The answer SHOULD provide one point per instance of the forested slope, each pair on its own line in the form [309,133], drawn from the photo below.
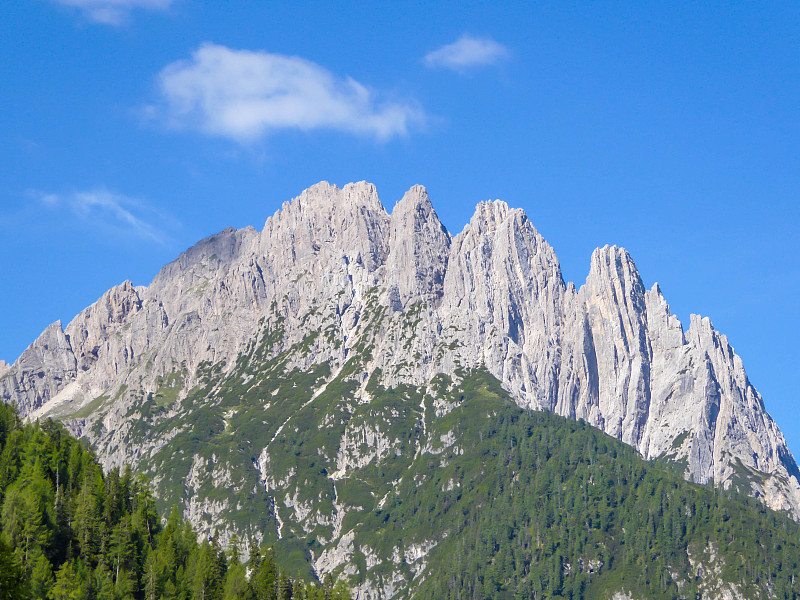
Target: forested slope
[533,505]
[71,532]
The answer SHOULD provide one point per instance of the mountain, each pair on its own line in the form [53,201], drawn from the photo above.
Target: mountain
[288,383]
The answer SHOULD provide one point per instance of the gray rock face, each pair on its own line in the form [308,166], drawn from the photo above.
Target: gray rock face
[503,295]
[609,352]
[40,372]
[418,250]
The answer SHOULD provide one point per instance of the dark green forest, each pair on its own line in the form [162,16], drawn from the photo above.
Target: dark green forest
[69,532]
[549,507]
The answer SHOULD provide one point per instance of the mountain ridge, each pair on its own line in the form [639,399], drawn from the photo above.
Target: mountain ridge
[282,385]
[343,319]
[493,269]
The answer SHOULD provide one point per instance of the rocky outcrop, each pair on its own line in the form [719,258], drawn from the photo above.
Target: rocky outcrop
[338,277]
[503,294]
[418,251]
[46,367]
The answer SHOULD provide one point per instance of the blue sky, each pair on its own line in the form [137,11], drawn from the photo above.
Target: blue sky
[133,128]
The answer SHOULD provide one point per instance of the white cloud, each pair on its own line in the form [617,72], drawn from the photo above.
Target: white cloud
[466,52]
[245,95]
[106,209]
[114,12]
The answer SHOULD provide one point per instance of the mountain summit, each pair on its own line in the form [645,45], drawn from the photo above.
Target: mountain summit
[335,298]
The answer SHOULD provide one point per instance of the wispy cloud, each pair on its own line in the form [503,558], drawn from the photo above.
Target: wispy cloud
[245,95]
[103,208]
[467,52]
[113,12]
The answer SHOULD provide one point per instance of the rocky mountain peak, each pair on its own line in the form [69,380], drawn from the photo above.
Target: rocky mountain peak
[418,250]
[209,255]
[703,335]
[364,195]
[702,332]
[613,268]
[335,299]
[42,370]
[489,215]
[327,199]
[415,200]
[615,297]
[91,329]
[666,330]
[350,221]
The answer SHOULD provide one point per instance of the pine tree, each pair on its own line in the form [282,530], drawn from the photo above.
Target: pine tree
[151,578]
[41,578]
[68,583]
[12,579]
[86,521]
[104,583]
[236,585]
[265,576]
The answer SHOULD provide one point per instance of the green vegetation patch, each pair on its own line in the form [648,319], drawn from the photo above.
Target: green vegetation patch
[69,531]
